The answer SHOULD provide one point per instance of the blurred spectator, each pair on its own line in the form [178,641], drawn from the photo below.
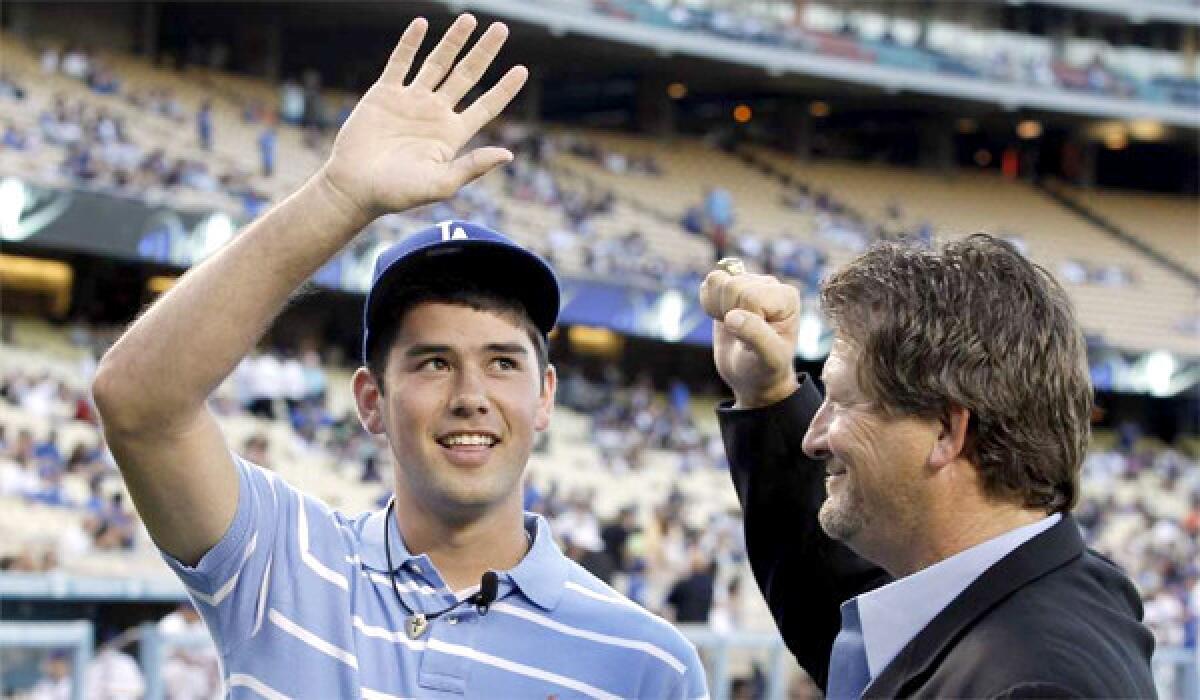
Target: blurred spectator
[260,378]
[718,211]
[31,558]
[204,125]
[76,63]
[590,554]
[102,80]
[9,88]
[189,672]
[55,681]
[114,675]
[267,139]
[112,527]
[615,536]
[14,138]
[691,597]
[291,103]
[49,60]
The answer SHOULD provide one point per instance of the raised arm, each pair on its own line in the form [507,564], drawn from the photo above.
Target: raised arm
[804,575]
[399,149]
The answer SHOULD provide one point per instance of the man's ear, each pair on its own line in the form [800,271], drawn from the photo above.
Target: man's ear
[368,399]
[952,437]
[546,402]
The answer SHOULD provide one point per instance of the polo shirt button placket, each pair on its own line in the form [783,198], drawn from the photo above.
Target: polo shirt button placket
[444,671]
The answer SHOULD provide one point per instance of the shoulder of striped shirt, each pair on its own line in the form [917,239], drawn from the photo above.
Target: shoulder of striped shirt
[585,584]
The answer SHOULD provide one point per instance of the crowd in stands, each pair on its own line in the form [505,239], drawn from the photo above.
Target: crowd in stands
[1144,514]
[98,149]
[628,419]
[949,48]
[1102,274]
[41,471]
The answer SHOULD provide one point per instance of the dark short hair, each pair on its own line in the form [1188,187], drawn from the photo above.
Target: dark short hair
[445,290]
[973,323]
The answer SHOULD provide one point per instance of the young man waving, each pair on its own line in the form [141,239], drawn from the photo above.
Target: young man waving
[451,590]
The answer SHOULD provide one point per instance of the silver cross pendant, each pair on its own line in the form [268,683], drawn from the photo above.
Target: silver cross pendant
[416,625]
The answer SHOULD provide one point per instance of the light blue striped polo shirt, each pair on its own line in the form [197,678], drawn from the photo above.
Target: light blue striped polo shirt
[298,599]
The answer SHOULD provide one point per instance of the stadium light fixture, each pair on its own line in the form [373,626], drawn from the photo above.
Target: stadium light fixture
[808,336]
[1116,140]
[50,278]
[742,114]
[1147,130]
[819,109]
[214,232]
[595,341]
[677,91]
[1159,369]
[671,307]
[1029,129]
[160,283]
[13,198]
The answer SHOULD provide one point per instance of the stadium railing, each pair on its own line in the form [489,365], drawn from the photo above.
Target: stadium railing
[716,648]
[155,648]
[1177,672]
[75,635]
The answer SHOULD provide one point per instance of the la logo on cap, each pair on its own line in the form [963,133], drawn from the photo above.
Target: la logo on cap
[448,235]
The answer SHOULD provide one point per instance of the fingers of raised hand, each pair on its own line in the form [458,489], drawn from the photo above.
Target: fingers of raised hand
[762,295]
[442,58]
[471,166]
[492,103]
[472,67]
[402,56]
[710,293]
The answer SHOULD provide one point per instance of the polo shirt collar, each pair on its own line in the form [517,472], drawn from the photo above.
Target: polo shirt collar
[372,552]
[541,575]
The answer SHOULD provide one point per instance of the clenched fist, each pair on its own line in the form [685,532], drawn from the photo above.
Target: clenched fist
[755,323]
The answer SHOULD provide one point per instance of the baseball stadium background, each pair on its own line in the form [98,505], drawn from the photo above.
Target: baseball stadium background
[654,137]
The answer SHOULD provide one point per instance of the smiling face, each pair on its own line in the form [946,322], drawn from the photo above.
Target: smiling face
[464,400]
[876,479]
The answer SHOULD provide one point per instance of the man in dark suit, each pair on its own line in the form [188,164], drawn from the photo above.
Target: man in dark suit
[911,531]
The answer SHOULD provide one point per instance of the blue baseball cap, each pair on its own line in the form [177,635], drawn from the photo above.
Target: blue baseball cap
[490,260]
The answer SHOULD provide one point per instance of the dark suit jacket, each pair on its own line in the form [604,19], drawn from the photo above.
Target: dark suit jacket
[1051,619]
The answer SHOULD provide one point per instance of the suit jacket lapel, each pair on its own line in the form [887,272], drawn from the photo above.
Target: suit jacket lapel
[1050,550]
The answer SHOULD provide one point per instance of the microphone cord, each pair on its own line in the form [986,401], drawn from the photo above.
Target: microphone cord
[418,621]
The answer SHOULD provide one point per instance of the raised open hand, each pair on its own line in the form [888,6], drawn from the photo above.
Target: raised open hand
[400,147]
[756,320]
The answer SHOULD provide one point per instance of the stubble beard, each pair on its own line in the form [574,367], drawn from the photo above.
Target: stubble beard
[842,515]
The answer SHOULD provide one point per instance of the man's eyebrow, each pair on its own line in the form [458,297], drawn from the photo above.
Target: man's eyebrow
[507,348]
[422,349]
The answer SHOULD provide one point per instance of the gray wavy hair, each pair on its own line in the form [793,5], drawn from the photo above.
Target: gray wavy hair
[975,324]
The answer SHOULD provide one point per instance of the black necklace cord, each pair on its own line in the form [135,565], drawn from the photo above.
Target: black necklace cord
[489,587]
